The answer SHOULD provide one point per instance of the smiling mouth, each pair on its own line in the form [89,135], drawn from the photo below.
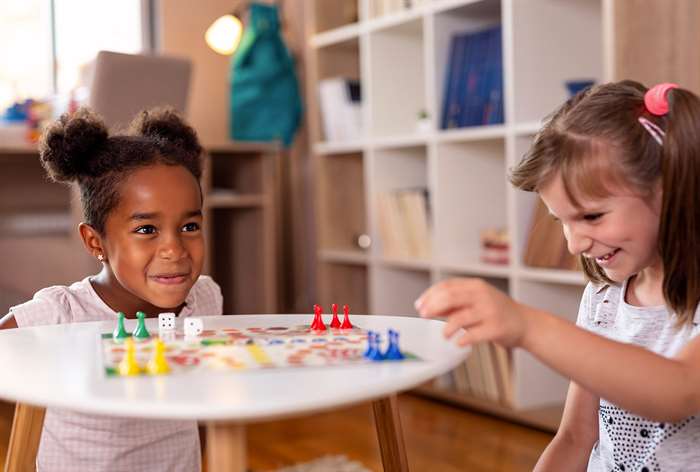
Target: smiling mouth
[606,257]
[170,279]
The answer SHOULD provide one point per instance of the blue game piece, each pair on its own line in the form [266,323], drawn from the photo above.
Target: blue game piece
[373,353]
[393,353]
[370,343]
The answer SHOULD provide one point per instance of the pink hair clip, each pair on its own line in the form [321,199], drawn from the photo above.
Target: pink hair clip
[655,132]
[655,98]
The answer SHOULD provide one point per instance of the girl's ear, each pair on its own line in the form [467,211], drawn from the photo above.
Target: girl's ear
[92,241]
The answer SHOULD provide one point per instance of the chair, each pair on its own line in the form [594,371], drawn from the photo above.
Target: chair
[124,84]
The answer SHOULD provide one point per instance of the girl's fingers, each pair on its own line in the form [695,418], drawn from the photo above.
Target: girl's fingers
[472,336]
[444,297]
[462,319]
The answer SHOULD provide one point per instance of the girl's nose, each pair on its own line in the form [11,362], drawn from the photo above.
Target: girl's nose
[577,242]
[172,248]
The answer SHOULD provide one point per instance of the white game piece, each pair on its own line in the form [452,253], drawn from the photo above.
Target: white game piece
[193,326]
[166,321]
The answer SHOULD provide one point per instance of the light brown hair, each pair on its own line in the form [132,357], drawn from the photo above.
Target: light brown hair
[595,141]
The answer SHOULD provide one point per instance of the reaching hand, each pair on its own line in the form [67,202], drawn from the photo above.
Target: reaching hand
[486,313]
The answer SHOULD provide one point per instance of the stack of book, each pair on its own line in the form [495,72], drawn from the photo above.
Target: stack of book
[341,111]
[495,246]
[546,245]
[404,223]
[473,92]
[486,374]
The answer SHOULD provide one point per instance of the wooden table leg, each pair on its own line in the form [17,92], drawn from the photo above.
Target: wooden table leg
[24,438]
[388,423]
[226,447]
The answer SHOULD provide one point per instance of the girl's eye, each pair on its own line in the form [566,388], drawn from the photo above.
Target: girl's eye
[191,227]
[146,229]
[592,216]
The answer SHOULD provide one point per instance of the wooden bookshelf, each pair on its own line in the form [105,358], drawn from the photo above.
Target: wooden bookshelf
[400,59]
[241,198]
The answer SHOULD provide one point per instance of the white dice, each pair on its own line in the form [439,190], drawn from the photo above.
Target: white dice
[193,327]
[166,322]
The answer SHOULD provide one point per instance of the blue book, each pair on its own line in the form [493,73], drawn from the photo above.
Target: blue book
[449,79]
[455,103]
[490,87]
[465,81]
[471,115]
[496,91]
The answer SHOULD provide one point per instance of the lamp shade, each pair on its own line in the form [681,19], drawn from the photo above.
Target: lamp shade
[224,34]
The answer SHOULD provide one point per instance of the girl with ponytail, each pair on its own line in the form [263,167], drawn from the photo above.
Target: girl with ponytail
[619,167]
[142,206]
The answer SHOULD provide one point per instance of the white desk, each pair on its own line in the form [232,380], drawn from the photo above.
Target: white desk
[60,366]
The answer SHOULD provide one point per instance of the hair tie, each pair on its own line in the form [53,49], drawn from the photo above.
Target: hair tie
[655,99]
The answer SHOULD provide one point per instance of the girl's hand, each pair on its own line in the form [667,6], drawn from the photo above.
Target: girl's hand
[486,313]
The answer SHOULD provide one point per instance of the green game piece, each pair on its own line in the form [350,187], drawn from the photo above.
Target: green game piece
[141,332]
[120,333]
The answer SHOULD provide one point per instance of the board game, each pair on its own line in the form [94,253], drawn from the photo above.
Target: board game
[233,349]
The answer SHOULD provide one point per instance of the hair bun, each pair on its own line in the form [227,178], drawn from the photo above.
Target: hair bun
[67,145]
[166,124]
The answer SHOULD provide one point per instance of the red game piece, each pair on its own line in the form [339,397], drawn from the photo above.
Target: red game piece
[335,322]
[317,324]
[346,319]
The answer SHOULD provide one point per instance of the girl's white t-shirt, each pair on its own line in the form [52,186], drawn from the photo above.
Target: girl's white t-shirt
[628,442]
[76,442]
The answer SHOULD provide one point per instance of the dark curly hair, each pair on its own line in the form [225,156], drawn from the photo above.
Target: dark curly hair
[78,148]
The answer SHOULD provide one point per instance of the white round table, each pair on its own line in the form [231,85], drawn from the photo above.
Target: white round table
[61,366]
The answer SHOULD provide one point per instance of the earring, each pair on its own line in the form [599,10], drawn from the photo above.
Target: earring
[100,257]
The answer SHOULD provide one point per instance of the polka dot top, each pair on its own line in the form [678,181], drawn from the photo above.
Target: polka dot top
[628,442]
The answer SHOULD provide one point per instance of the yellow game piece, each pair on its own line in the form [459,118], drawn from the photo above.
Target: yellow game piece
[128,365]
[158,365]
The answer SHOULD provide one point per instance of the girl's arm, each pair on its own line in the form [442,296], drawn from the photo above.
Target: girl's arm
[609,369]
[616,371]
[577,433]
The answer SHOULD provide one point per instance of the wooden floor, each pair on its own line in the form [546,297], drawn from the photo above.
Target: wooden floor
[438,437]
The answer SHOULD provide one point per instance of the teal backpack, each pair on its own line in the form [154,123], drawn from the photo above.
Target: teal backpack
[265,101]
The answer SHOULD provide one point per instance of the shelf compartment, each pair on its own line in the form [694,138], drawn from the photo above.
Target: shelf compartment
[341,201]
[332,16]
[239,173]
[395,290]
[339,60]
[455,18]
[343,284]
[400,182]
[239,266]
[548,42]
[470,196]
[536,384]
[28,190]
[397,77]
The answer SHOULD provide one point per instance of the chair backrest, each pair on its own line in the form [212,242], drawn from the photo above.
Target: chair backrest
[124,84]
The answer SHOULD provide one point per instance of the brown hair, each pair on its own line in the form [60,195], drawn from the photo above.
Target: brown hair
[595,141]
[78,147]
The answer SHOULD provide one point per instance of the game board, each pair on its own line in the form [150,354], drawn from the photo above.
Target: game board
[234,349]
